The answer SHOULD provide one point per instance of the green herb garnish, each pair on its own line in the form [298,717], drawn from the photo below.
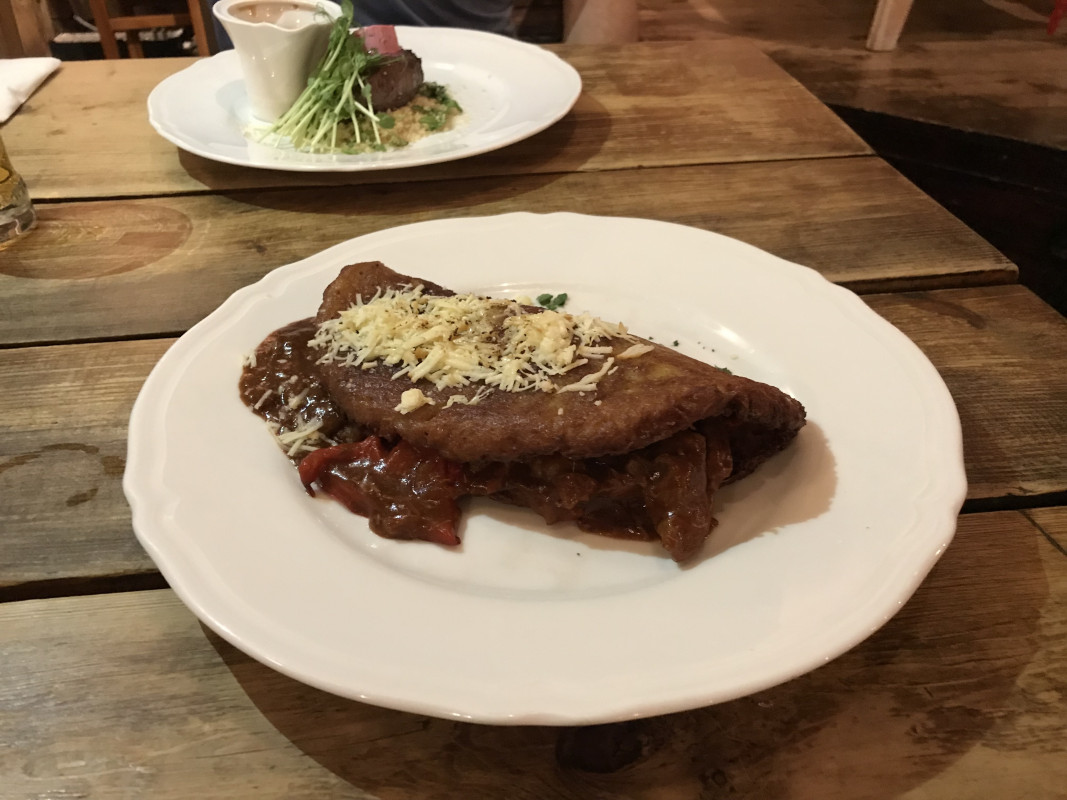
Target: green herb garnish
[435,118]
[435,91]
[327,116]
[552,302]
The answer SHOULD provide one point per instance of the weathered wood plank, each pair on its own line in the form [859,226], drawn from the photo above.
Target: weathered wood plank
[1005,88]
[970,66]
[959,696]
[63,423]
[81,275]
[1001,352]
[86,132]
[63,515]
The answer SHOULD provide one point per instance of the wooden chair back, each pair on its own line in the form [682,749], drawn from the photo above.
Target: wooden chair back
[109,26]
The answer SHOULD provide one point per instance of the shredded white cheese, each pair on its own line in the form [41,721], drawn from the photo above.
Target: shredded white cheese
[462,399]
[466,339]
[412,399]
[589,382]
[296,440]
[635,350]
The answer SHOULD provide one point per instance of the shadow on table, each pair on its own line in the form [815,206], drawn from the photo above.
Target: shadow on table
[887,716]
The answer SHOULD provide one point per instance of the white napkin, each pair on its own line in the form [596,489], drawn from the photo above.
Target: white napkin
[19,78]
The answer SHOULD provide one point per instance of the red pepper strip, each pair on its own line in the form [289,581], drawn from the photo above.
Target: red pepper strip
[441,533]
[407,459]
[1057,15]
[404,468]
[317,462]
[347,494]
[427,468]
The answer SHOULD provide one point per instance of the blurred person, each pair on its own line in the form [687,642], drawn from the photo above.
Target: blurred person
[584,21]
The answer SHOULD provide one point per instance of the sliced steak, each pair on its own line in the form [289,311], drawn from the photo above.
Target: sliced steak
[396,81]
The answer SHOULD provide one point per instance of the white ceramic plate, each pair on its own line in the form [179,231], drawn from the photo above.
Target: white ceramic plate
[526,623]
[509,90]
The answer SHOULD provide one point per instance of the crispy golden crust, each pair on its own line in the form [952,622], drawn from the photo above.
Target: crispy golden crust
[646,400]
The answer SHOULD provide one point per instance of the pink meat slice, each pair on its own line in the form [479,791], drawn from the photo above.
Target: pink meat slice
[381,38]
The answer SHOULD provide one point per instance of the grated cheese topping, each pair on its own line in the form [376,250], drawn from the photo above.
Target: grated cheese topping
[462,399]
[296,440]
[462,340]
[635,350]
[412,399]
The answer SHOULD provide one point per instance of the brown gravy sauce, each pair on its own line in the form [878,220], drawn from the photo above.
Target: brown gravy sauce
[284,389]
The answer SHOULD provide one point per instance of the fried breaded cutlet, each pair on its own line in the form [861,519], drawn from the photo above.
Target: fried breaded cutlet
[565,414]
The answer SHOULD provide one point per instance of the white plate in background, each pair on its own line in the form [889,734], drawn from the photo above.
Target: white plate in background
[508,90]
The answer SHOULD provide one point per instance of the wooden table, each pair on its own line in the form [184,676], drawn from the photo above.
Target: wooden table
[111,688]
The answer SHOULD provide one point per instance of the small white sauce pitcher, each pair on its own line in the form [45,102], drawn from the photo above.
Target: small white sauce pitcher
[277,57]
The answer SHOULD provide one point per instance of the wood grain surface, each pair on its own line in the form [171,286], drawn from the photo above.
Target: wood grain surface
[1001,352]
[63,426]
[961,84]
[987,67]
[63,514]
[111,692]
[86,133]
[172,260]
[958,697]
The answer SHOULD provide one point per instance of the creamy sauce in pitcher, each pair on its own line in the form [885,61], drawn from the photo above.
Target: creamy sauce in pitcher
[283,15]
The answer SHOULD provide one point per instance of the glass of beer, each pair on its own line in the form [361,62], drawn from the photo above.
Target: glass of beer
[16,211]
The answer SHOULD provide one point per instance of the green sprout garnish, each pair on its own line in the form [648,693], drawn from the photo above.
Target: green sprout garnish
[328,108]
